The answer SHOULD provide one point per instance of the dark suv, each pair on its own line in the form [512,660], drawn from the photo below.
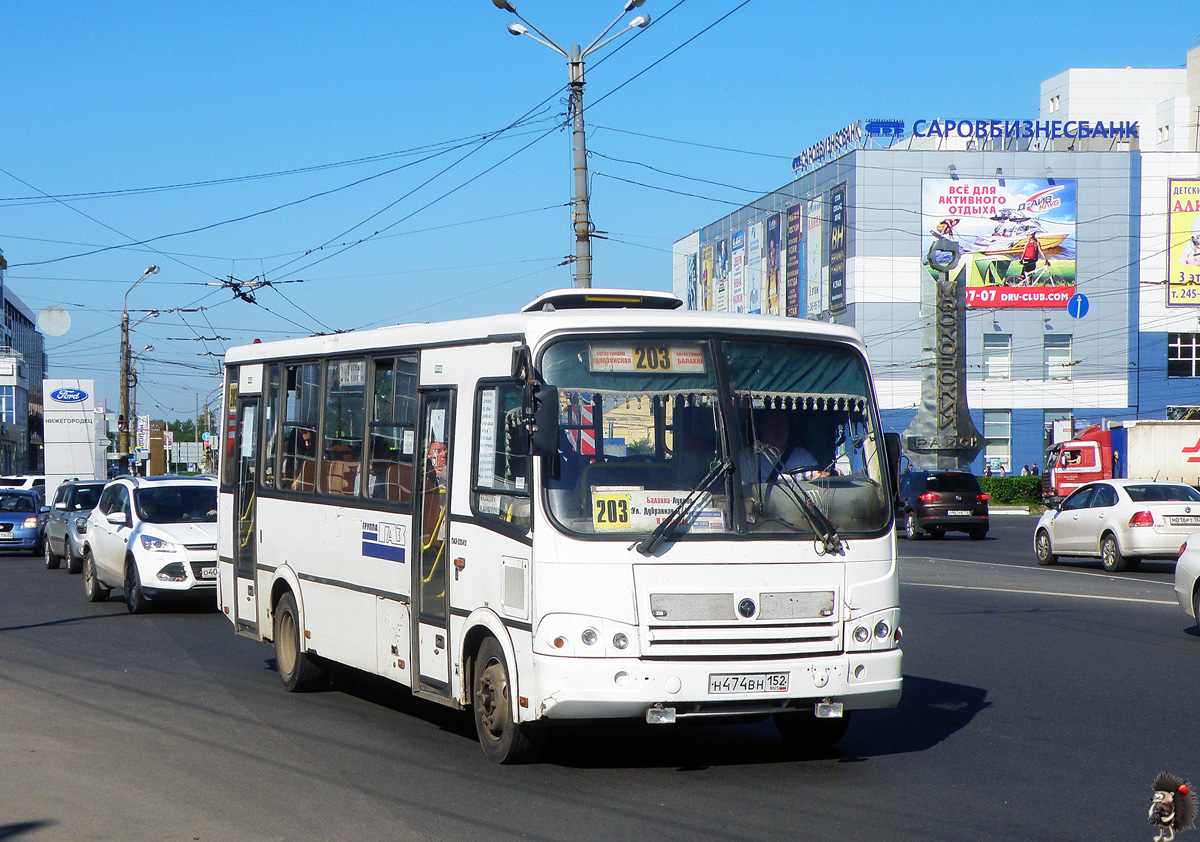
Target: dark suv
[937,501]
[67,525]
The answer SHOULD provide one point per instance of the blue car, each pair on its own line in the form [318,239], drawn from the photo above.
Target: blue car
[22,521]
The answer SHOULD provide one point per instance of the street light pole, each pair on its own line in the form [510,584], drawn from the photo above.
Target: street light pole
[123,439]
[580,205]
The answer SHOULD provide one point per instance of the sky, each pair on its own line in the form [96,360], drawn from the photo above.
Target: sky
[380,163]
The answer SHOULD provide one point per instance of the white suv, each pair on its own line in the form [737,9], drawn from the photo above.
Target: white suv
[152,537]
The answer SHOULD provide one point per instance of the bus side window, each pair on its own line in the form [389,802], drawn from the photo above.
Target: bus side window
[500,475]
[345,411]
[302,401]
[392,430]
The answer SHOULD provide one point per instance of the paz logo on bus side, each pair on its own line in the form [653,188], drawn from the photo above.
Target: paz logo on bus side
[69,395]
[384,540]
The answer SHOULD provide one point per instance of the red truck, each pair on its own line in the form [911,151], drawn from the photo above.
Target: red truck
[1165,450]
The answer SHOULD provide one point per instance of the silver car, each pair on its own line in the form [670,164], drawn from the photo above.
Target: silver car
[1119,521]
[1187,572]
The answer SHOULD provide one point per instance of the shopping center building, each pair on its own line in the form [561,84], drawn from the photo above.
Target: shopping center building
[1069,239]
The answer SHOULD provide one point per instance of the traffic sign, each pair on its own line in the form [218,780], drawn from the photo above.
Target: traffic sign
[1077,306]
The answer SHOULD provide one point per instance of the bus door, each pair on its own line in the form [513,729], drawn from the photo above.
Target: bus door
[431,603]
[245,509]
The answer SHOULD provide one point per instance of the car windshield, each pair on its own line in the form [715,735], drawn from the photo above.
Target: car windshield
[177,504]
[16,503]
[952,482]
[86,497]
[1162,493]
[641,426]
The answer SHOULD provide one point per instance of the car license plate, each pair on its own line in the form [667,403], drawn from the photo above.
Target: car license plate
[208,572]
[6,536]
[759,682]
[959,513]
[1185,520]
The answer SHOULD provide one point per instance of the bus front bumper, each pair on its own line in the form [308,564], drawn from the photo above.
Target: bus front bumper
[607,688]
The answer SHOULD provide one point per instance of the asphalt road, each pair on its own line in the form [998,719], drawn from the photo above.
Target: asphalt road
[1038,704]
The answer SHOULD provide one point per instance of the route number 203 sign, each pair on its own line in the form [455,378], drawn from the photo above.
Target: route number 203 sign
[647,358]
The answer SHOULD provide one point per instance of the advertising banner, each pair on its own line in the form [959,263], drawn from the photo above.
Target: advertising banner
[72,432]
[774,269]
[837,248]
[1183,243]
[737,274]
[793,295]
[693,281]
[1015,241]
[721,276]
[813,231]
[706,279]
[756,279]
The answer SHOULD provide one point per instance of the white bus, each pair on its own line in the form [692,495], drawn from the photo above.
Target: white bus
[601,506]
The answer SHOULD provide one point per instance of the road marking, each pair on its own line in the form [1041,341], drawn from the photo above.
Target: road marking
[1042,593]
[1041,569]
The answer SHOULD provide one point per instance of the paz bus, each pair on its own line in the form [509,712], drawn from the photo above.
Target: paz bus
[574,511]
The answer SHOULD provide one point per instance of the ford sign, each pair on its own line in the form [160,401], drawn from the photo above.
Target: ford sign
[69,395]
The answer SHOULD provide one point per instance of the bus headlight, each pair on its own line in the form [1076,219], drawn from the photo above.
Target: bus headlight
[579,636]
[882,629]
[861,634]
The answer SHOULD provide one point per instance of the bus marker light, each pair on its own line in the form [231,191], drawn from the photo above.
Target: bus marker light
[523,701]
[560,642]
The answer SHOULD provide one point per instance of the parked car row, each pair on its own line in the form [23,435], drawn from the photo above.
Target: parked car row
[152,538]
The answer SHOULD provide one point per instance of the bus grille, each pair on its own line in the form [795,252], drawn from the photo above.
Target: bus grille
[743,641]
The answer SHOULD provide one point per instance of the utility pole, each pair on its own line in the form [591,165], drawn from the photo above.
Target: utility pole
[126,385]
[580,210]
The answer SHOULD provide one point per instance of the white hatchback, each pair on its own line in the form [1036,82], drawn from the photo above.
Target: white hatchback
[1119,521]
[1187,578]
[152,537]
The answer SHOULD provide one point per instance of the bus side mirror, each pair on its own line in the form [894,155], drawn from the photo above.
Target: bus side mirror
[891,447]
[542,411]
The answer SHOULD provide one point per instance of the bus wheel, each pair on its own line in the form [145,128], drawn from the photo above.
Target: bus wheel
[298,671]
[808,733]
[503,739]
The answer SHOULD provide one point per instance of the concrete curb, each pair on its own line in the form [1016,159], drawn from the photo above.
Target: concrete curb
[1008,510]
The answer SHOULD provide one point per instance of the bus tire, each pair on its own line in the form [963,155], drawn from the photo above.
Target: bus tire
[807,733]
[92,587]
[502,738]
[298,670]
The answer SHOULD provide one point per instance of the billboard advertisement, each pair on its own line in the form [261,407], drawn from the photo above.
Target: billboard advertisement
[1015,239]
[814,293]
[737,274]
[837,248]
[706,279]
[693,282]
[721,275]
[755,279]
[1183,243]
[793,294]
[774,267]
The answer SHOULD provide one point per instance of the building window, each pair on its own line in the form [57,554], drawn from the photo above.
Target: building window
[8,404]
[997,356]
[1055,103]
[1057,357]
[997,434]
[1183,355]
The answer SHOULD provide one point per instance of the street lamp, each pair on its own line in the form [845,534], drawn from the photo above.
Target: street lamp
[123,440]
[580,215]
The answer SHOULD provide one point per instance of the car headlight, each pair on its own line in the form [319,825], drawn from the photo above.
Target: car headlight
[31,523]
[158,545]
[81,525]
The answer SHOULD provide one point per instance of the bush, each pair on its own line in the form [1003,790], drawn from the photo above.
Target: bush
[1012,491]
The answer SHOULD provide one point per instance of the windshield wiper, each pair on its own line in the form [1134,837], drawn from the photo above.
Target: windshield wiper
[680,513]
[823,526]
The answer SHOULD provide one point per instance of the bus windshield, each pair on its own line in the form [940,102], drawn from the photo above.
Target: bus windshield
[753,434]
